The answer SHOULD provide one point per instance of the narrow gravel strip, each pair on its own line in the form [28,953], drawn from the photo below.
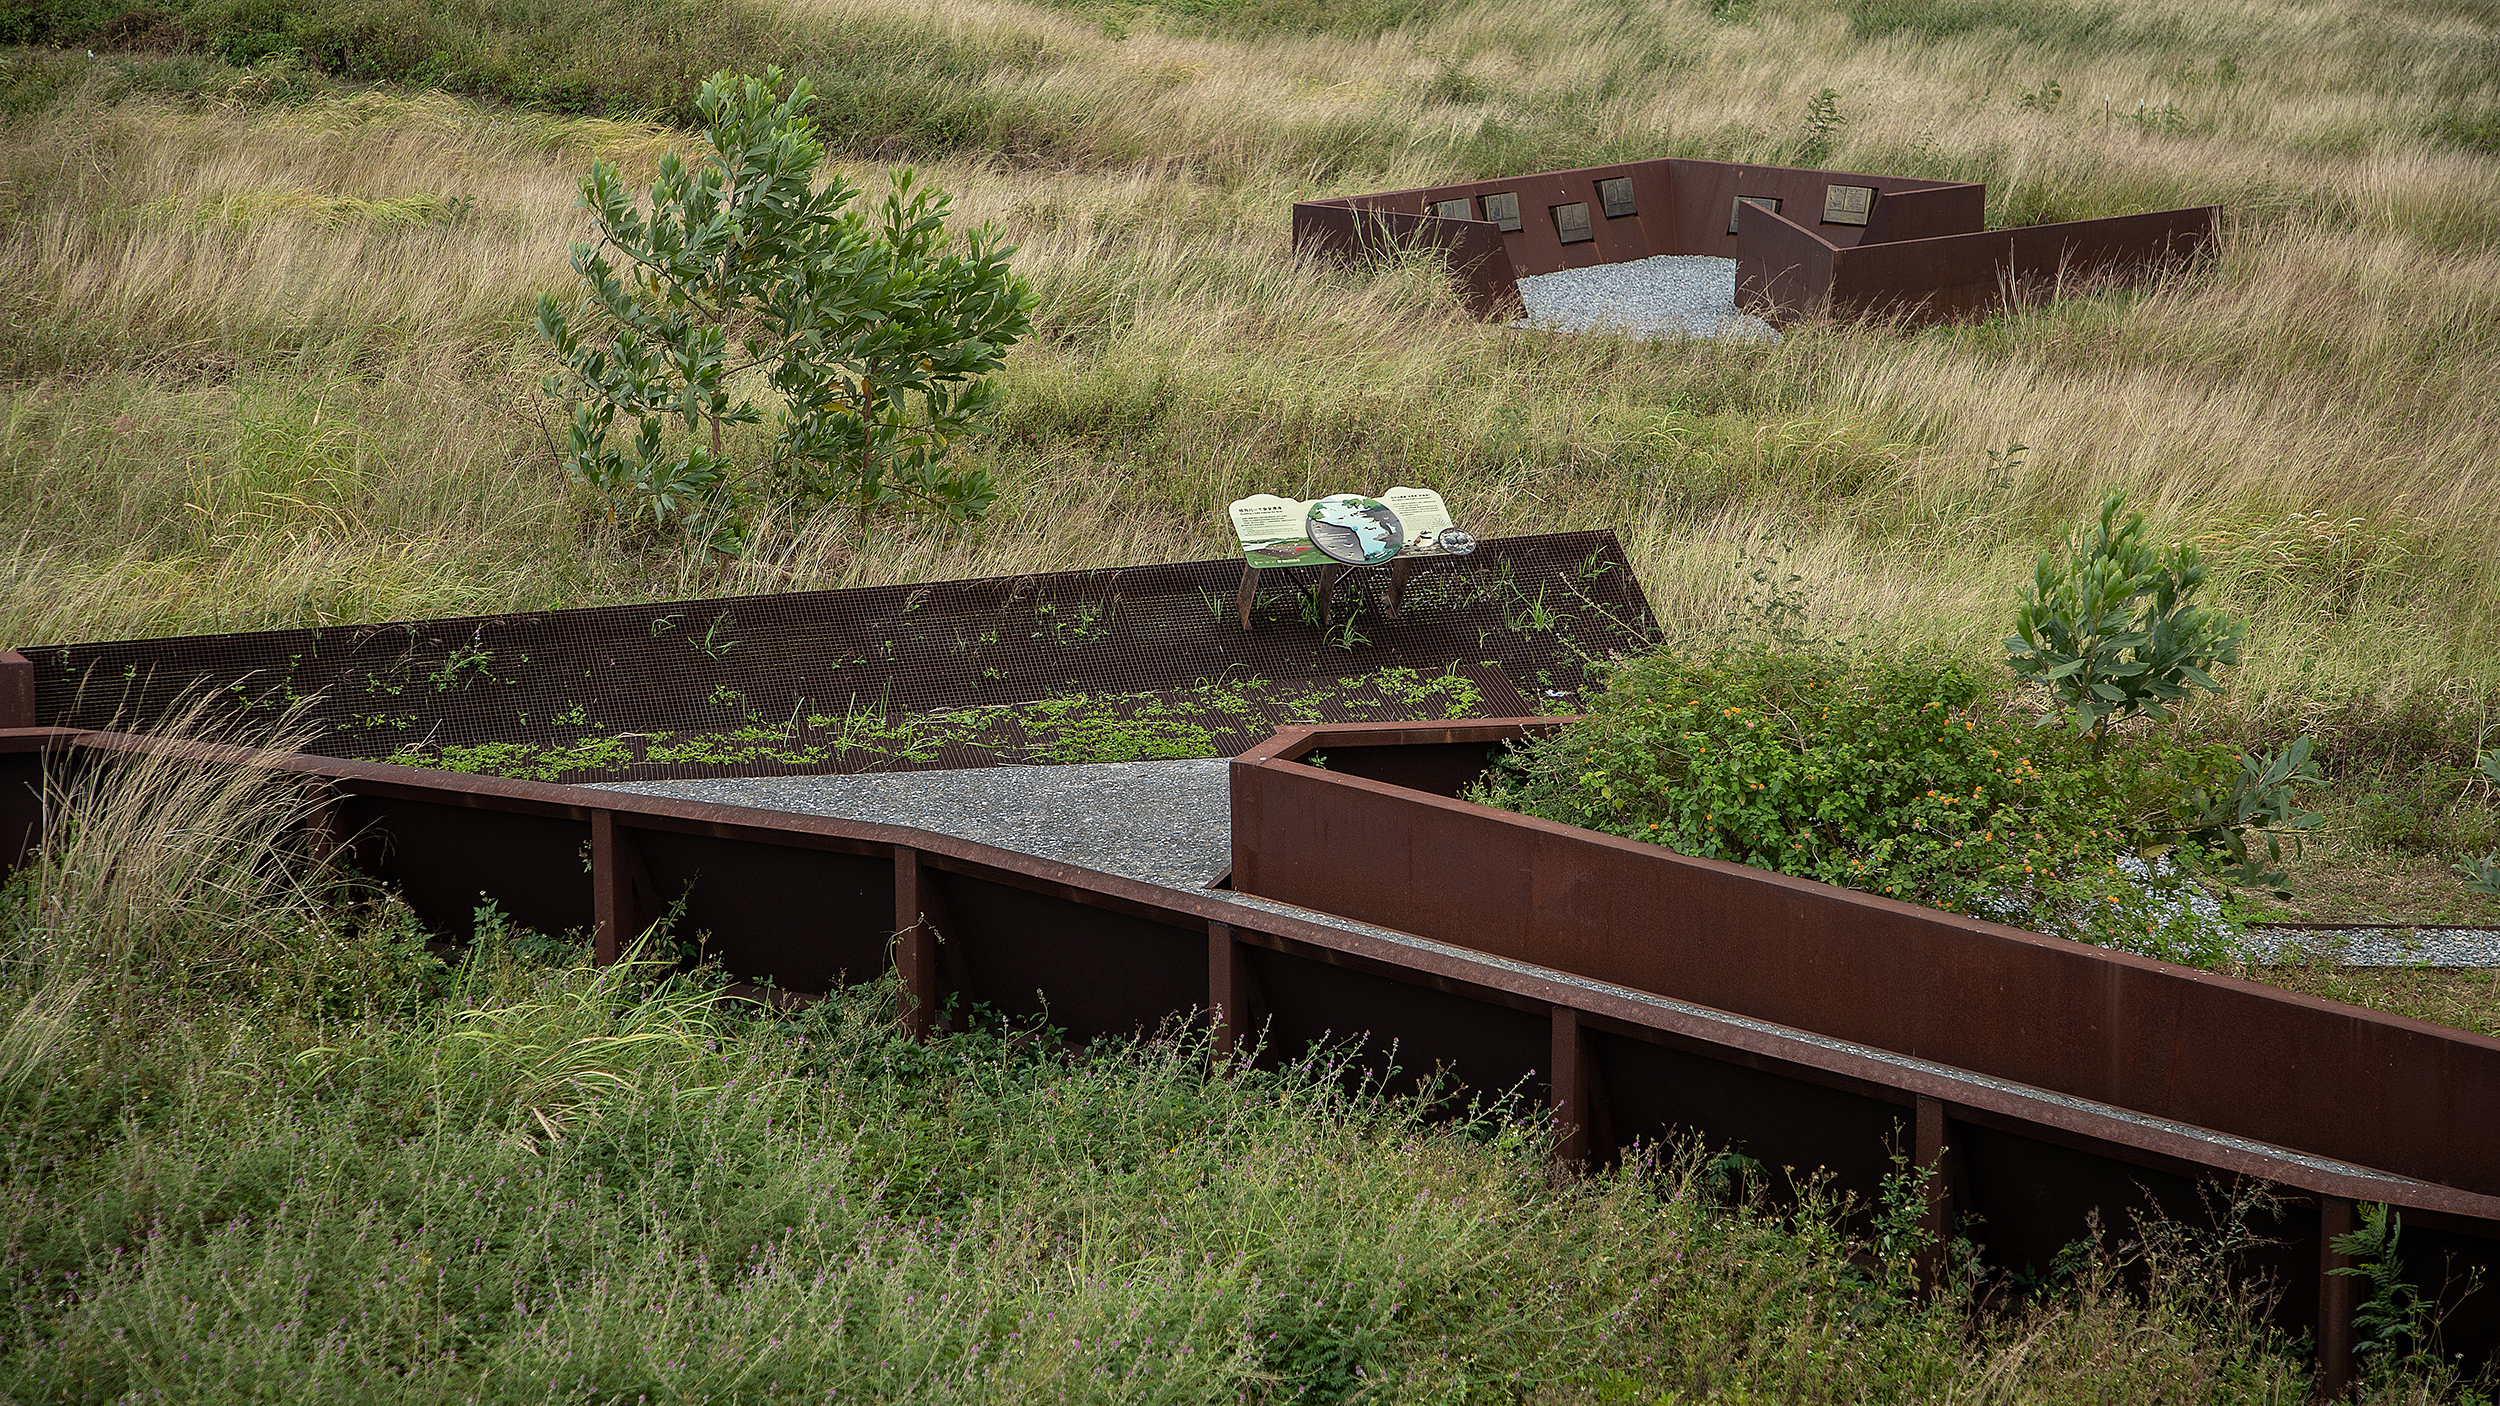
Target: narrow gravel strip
[1168,823]
[1669,295]
[2380,947]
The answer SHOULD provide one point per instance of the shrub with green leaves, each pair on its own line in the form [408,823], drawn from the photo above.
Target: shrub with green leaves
[875,336]
[1900,778]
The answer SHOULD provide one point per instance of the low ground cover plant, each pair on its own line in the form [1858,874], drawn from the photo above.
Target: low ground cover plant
[1916,780]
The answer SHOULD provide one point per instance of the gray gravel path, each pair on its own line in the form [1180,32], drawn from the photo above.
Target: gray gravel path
[1166,823]
[1669,295]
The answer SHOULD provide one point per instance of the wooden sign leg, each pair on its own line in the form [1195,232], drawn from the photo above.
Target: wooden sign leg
[1246,593]
[1399,570]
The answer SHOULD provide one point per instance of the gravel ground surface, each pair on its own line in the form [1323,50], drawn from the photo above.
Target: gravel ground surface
[1167,823]
[1671,295]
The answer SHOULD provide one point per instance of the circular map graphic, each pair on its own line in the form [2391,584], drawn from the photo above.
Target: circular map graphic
[1354,530]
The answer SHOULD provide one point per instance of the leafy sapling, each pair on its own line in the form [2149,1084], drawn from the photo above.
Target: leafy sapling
[2111,628]
[875,332]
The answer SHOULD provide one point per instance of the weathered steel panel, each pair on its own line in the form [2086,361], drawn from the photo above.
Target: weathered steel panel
[2205,1049]
[1783,272]
[1019,952]
[447,859]
[809,919]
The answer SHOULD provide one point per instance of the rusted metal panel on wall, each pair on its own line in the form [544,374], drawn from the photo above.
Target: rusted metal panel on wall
[1018,951]
[1910,212]
[1536,247]
[1413,1034]
[445,859]
[809,919]
[2122,245]
[2214,1051]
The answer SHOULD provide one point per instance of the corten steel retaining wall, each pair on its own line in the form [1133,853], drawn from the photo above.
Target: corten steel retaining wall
[1791,263]
[1472,248]
[811,902]
[2417,1099]
[1969,274]
[1379,838]
[759,664]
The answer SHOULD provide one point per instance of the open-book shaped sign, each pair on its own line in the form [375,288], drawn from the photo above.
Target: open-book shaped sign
[1346,528]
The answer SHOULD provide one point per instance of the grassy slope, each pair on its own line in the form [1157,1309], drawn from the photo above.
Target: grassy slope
[264,365]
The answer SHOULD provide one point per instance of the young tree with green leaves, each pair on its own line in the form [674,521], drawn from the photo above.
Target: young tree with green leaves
[2112,631]
[2111,628]
[875,335]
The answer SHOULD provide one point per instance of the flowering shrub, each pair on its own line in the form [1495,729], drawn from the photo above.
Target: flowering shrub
[1899,778]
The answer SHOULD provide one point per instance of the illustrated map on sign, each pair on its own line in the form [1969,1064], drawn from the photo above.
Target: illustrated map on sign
[1346,528]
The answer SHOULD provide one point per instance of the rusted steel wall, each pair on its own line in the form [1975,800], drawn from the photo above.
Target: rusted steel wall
[1963,275]
[1681,206]
[1706,193]
[1783,272]
[1537,246]
[835,681]
[2381,1090]
[1921,254]
[808,902]
[1472,248]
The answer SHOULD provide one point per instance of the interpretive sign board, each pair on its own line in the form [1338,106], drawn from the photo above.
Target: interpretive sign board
[1346,528]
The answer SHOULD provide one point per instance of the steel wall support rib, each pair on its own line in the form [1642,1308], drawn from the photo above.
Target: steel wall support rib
[915,944]
[1228,990]
[1939,1163]
[2338,1336]
[621,894]
[1570,1085]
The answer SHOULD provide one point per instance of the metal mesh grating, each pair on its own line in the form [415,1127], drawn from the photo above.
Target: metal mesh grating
[1068,666]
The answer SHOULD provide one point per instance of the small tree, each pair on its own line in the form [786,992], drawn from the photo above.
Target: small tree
[2110,630]
[875,335]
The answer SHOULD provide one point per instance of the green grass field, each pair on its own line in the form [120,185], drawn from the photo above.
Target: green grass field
[265,361]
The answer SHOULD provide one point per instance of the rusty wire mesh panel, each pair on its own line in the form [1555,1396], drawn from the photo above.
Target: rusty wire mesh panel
[1108,665]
